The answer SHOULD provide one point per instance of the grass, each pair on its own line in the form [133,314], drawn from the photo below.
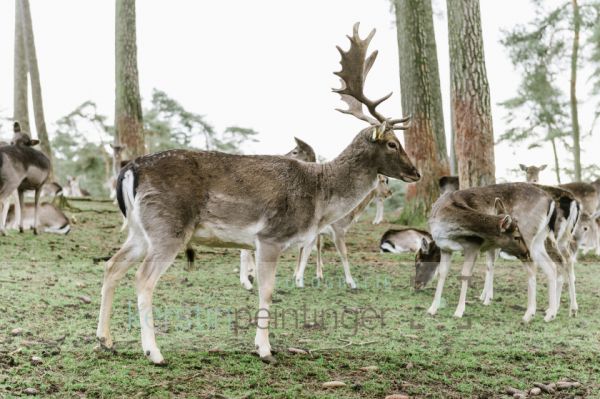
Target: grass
[205,333]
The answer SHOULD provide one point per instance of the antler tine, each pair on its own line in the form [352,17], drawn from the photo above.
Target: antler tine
[395,122]
[355,67]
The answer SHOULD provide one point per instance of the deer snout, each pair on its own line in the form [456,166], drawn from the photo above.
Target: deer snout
[412,176]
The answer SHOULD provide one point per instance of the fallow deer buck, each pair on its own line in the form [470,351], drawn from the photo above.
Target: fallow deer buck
[272,203]
[485,218]
[21,168]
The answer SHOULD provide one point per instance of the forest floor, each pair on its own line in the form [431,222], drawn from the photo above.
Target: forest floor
[381,344]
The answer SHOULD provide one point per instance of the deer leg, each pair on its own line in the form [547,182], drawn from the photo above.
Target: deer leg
[36,208]
[339,239]
[21,206]
[319,257]
[132,251]
[572,295]
[303,256]
[549,268]
[379,214]
[467,272]
[444,267]
[5,205]
[267,255]
[160,256]
[246,264]
[531,269]
[488,287]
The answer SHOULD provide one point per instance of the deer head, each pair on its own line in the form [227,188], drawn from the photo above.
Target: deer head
[427,260]
[532,173]
[22,138]
[380,144]
[302,152]
[509,238]
[383,190]
[586,232]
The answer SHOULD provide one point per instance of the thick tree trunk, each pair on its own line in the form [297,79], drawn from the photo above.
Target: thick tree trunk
[573,94]
[470,96]
[34,76]
[421,98]
[128,106]
[20,111]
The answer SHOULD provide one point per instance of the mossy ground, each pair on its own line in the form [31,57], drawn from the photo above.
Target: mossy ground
[204,332]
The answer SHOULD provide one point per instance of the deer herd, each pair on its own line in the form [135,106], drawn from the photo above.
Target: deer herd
[264,205]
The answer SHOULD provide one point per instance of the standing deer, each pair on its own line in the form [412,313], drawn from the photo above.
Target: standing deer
[379,199]
[21,168]
[173,197]
[337,231]
[485,218]
[532,173]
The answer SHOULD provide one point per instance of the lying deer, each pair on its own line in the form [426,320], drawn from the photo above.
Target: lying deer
[173,197]
[404,240]
[379,199]
[50,218]
[22,168]
[485,218]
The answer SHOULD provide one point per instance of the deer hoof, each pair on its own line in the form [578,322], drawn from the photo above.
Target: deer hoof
[550,315]
[35,231]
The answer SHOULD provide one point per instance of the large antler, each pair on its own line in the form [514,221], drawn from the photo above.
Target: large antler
[355,68]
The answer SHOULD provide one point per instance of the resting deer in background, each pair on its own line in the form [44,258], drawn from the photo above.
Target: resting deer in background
[173,197]
[532,173]
[448,184]
[404,240]
[379,199]
[22,168]
[50,218]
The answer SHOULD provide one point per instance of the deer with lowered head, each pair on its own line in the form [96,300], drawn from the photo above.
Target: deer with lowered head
[173,197]
[485,218]
[22,168]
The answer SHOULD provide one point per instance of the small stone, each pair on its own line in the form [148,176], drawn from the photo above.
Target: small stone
[397,396]
[409,365]
[519,396]
[80,285]
[84,299]
[535,391]
[16,332]
[297,351]
[334,384]
[30,391]
[36,360]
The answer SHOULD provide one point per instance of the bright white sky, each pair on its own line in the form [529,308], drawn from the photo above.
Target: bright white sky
[264,64]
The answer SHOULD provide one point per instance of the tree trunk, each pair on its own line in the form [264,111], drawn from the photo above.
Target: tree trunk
[421,98]
[573,96]
[20,110]
[556,164]
[128,106]
[34,75]
[470,96]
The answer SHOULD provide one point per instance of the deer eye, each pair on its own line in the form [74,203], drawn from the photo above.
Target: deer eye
[392,145]
[295,152]
[585,229]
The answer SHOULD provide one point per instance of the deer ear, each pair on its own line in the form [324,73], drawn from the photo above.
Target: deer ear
[499,206]
[16,127]
[595,215]
[505,223]
[523,167]
[424,246]
[543,167]
[34,142]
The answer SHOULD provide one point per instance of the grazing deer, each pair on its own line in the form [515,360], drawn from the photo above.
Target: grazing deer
[50,218]
[337,231]
[22,168]
[532,173]
[379,199]
[485,218]
[271,203]
[404,240]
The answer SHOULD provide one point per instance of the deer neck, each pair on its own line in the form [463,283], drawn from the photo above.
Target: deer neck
[345,183]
